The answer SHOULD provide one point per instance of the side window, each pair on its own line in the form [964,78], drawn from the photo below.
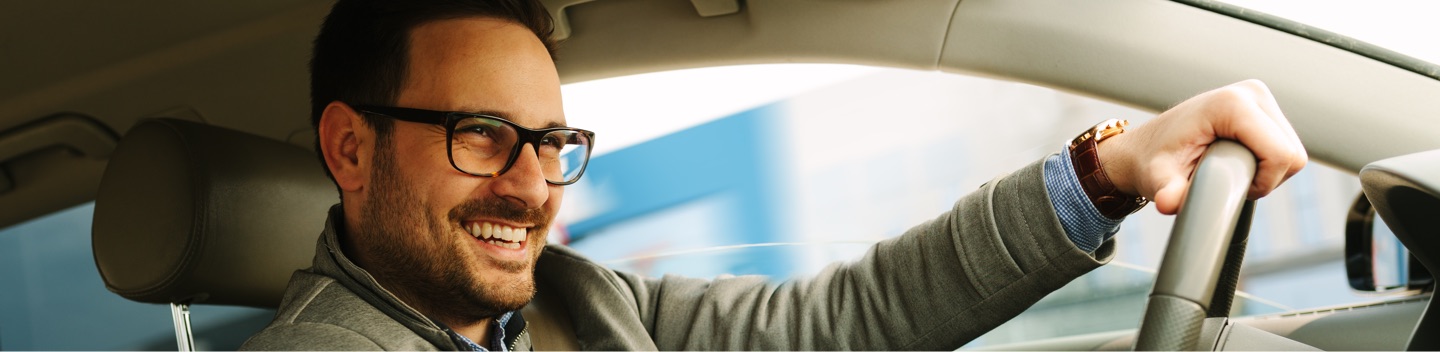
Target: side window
[785,184]
[52,298]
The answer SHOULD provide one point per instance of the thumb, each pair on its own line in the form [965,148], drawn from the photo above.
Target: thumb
[1170,195]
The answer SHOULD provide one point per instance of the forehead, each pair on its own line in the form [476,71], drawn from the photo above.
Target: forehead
[482,64]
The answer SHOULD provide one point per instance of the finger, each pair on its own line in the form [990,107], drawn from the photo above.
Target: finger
[1273,150]
[1170,196]
[1266,101]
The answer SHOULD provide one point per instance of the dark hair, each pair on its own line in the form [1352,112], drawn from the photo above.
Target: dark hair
[361,53]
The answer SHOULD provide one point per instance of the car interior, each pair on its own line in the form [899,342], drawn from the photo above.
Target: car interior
[197,149]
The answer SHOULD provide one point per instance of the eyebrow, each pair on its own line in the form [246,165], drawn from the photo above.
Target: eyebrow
[508,117]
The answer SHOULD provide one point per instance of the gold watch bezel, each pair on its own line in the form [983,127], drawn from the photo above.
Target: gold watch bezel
[1103,130]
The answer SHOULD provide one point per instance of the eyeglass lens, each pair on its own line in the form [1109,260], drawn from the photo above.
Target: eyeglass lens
[482,146]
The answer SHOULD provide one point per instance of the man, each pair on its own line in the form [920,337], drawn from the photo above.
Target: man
[441,124]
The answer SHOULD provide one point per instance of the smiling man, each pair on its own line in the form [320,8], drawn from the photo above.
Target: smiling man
[441,124]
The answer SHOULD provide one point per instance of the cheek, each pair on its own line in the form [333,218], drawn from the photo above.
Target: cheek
[436,194]
[441,187]
[551,208]
[557,195]
[445,194]
[552,204]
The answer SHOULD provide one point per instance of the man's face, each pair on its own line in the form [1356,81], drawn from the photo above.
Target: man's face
[422,216]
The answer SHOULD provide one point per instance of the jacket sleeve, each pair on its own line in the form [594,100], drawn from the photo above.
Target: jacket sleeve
[938,286]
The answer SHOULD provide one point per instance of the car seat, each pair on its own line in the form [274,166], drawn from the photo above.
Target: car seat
[189,213]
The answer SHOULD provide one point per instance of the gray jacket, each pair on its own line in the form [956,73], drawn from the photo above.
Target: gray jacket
[938,286]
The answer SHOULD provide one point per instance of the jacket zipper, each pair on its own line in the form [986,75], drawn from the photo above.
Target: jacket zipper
[524,330]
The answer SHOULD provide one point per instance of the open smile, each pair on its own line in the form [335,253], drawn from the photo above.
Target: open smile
[499,235]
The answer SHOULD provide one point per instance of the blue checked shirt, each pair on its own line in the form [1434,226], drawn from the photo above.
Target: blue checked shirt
[497,336]
[1082,222]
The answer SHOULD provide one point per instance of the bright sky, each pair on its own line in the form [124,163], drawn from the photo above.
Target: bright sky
[671,101]
[1410,27]
[667,102]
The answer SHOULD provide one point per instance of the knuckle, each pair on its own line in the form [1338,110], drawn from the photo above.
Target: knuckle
[1293,153]
[1300,159]
[1254,85]
[1247,91]
[1232,95]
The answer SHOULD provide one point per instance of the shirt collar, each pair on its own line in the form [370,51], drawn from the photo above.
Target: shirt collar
[500,341]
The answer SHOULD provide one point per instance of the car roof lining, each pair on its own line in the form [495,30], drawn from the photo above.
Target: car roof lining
[1147,54]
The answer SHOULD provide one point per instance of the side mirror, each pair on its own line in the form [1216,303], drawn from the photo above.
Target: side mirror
[1375,260]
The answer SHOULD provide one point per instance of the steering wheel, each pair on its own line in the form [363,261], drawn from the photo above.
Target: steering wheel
[1204,252]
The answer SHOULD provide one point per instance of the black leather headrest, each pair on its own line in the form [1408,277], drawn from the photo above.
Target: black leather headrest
[193,213]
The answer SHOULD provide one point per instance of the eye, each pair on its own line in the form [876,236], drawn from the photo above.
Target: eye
[477,132]
[550,145]
[552,141]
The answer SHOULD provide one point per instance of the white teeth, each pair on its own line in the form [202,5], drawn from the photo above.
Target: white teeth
[517,234]
[503,244]
[499,235]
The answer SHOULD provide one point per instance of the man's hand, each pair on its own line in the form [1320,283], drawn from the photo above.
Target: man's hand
[1156,160]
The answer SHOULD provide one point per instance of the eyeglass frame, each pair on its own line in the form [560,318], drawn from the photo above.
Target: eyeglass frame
[449,119]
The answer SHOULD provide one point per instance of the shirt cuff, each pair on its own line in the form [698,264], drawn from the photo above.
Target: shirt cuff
[1082,222]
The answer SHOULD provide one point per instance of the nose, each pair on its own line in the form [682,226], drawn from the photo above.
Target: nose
[524,184]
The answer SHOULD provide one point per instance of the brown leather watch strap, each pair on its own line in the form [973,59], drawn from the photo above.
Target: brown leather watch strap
[1085,157]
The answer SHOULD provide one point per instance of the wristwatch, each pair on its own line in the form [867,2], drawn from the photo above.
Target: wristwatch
[1085,157]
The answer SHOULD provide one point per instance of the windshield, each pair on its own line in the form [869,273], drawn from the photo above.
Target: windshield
[786,186]
[1404,26]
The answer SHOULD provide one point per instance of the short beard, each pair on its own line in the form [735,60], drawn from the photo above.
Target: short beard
[415,257]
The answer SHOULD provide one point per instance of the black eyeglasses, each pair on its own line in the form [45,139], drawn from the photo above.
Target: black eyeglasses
[487,146]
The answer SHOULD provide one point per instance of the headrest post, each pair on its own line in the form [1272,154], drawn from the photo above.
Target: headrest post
[180,313]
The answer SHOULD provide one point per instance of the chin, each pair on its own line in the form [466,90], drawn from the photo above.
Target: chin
[506,295]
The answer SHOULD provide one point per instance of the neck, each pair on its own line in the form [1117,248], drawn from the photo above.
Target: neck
[479,331]
[475,330]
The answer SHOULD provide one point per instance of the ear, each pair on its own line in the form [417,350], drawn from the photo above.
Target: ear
[347,145]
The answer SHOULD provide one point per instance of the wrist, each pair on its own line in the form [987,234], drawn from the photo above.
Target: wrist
[1108,199]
